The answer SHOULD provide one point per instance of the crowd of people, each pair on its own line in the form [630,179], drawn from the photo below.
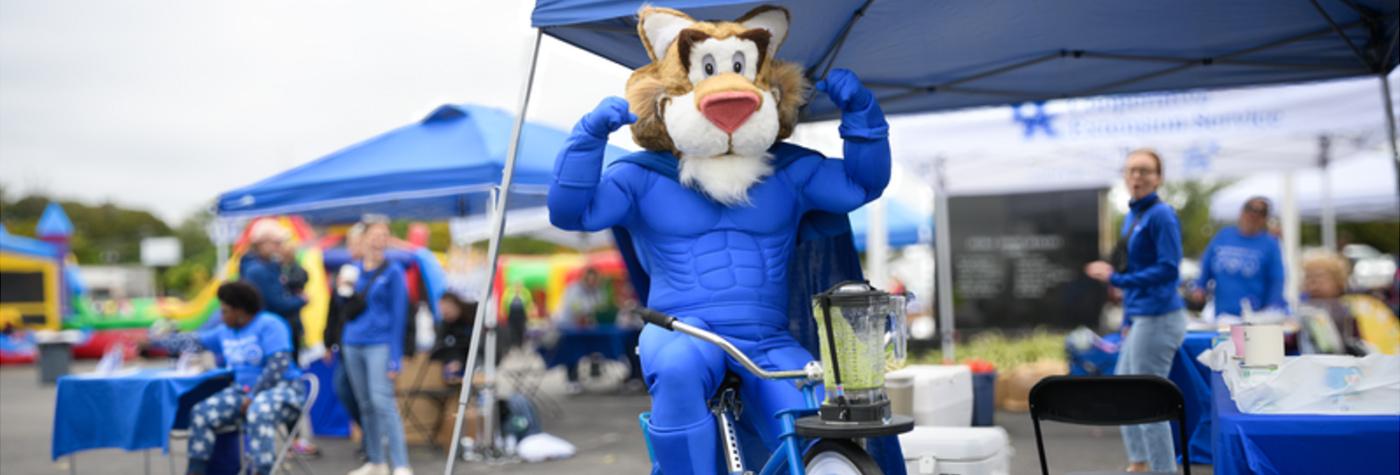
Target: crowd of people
[1242,274]
[261,335]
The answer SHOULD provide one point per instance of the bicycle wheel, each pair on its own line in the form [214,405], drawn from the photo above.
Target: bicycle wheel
[839,457]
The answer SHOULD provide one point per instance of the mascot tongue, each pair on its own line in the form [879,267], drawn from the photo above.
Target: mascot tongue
[730,109]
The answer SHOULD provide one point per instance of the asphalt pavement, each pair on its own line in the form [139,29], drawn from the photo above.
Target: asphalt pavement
[601,423]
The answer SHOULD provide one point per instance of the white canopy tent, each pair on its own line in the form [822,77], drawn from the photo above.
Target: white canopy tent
[1362,188]
[1080,143]
[1202,134]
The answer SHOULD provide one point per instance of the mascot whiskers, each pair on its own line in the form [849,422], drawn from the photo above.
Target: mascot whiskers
[712,208]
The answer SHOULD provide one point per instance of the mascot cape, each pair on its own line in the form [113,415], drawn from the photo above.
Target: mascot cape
[825,255]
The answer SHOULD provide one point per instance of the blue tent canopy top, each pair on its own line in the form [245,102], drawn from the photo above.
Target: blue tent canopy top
[921,56]
[904,226]
[442,166]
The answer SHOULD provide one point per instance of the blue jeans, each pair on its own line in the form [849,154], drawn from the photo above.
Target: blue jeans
[368,368]
[1149,348]
[344,392]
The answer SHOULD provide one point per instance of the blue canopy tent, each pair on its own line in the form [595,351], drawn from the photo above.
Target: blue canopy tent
[921,56]
[904,226]
[443,166]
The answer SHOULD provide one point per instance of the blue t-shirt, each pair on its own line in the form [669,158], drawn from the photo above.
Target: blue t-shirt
[245,350]
[1243,267]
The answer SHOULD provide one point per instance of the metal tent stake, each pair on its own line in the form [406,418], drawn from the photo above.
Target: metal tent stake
[498,226]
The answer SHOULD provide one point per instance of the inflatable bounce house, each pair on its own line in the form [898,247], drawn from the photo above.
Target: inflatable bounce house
[546,278]
[36,280]
[39,289]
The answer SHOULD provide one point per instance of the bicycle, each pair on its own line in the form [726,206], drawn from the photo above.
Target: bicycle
[808,444]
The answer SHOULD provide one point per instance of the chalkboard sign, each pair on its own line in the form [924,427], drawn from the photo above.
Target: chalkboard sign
[21,287]
[1018,259]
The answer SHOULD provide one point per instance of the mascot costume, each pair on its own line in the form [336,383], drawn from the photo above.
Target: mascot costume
[723,225]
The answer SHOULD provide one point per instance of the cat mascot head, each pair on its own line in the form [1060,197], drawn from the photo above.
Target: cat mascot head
[715,96]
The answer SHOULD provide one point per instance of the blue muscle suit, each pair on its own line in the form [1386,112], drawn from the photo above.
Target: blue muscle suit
[717,267]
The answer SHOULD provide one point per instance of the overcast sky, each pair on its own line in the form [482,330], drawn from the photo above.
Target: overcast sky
[161,105]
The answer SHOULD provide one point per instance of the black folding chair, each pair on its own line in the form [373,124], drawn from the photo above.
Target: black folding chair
[1106,401]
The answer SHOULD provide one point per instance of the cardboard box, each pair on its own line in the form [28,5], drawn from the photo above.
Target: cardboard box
[421,418]
[416,367]
[1014,386]
[470,423]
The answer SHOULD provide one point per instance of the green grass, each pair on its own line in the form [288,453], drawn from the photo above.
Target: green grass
[1006,352]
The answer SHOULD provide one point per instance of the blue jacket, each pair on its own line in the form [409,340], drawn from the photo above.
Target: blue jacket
[266,276]
[386,311]
[1154,255]
[1243,267]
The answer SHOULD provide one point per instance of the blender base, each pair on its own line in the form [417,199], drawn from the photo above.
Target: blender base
[814,426]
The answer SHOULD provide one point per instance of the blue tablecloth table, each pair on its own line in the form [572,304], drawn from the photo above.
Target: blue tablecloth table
[1268,444]
[1193,378]
[612,342]
[128,411]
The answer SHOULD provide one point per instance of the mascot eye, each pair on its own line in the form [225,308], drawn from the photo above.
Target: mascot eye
[739,62]
[709,62]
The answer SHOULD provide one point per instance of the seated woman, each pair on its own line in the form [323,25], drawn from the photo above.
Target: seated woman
[1327,324]
[454,335]
[256,345]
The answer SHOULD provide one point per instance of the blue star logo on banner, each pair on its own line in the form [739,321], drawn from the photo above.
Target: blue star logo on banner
[1037,119]
[1199,157]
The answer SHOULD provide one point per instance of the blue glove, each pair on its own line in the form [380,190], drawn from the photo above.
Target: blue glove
[611,114]
[861,117]
[845,90]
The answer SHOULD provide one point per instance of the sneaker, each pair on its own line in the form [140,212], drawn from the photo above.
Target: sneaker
[371,469]
[573,388]
[403,471]
[305,449]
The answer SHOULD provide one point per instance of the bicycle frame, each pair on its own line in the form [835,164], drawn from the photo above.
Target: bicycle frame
[791,446]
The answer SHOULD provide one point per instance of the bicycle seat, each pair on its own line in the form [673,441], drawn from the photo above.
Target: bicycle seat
[728,394]
[731,381]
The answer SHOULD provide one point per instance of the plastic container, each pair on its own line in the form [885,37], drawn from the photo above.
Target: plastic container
[956,451]
[55,358]
[900,389]
[942,394]
[984,398]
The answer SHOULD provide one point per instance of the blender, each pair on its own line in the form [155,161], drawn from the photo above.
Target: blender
[860,328]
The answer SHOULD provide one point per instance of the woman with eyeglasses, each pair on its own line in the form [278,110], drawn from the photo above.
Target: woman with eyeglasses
[1154,323]
[1245,264]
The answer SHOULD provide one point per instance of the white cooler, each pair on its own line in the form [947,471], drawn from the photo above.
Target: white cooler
[942,394]
[956,451]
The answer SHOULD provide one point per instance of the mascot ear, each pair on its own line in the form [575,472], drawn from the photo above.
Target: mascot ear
[658,28]
[770,18]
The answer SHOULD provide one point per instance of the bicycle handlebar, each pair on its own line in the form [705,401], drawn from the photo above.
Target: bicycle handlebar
[656,318]
[670,323]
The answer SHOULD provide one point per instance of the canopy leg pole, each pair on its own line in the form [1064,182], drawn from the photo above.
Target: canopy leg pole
[1390,127]
[877,245]
[1329,212]
[943,262]
[498,226]
[1291,229]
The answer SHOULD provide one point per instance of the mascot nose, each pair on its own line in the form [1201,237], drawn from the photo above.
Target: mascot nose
[730,109]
